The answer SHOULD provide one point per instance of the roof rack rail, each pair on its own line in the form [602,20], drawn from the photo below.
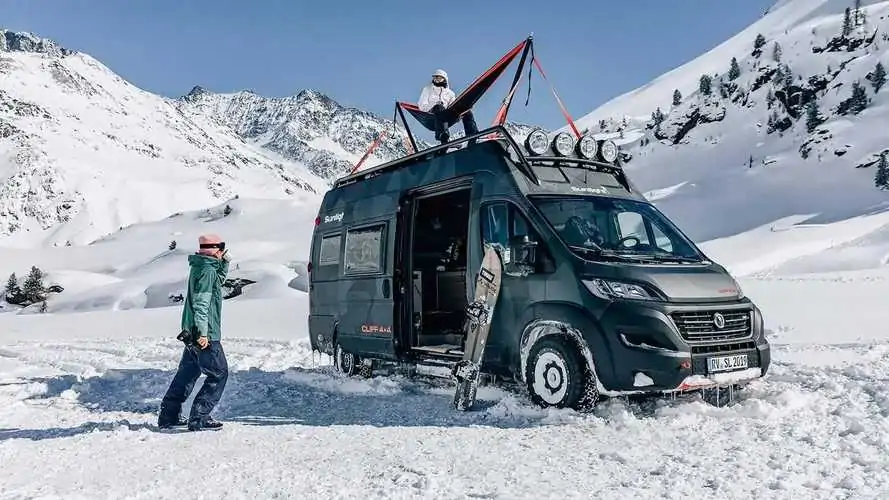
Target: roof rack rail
[496,132]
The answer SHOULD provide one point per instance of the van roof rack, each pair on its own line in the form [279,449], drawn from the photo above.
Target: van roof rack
[462,104]
[496,133]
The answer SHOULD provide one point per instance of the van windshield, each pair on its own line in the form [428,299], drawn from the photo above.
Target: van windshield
[616,227]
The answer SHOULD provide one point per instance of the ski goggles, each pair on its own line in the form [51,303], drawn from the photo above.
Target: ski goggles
[220,245]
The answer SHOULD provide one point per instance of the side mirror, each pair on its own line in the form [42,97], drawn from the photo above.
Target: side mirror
[523,251]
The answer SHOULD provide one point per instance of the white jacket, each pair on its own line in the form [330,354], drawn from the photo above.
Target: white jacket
[433,95]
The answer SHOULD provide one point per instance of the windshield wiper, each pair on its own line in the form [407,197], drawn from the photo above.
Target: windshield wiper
[668,257]
[601,252]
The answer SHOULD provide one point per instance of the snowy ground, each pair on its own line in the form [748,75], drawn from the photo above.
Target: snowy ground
[80,387]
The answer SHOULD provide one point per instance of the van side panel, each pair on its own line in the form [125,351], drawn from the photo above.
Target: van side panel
[353,300]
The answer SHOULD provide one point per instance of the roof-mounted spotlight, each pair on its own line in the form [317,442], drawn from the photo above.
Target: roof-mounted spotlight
[587,147]
[563,144]
[536,143]
[608,151]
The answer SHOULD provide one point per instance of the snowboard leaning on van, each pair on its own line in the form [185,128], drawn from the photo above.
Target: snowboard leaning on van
[478,323]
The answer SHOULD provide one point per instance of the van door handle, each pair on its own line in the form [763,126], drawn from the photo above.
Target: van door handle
[387,288]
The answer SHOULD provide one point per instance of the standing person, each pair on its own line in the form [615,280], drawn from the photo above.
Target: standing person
[435,98]
[201,320]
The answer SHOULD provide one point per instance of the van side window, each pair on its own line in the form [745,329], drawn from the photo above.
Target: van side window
[330,250]
[502,223]
[364,250]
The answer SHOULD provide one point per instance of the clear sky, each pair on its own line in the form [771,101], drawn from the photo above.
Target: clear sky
[368,53]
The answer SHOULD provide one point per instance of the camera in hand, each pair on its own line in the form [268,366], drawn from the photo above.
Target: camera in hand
[186,337]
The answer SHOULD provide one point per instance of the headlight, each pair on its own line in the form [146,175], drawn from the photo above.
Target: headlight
[536,142]
[587,147]
[608,151]
[563,144]
[610,290]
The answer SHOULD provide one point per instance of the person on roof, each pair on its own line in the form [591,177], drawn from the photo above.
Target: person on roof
[436,98]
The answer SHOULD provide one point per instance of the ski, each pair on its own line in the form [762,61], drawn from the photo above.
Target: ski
[478,323]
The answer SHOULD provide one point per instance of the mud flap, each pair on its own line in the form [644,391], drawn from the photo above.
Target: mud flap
[478,323]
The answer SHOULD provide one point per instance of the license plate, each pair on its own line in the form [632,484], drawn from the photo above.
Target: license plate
[725,363]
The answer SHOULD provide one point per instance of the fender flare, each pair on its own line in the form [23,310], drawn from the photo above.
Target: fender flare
[567,324]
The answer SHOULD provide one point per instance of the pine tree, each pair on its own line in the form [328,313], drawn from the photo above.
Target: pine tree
[12,289]
[859,98]
[677,97]
[788,76]
[657,116]
[879,77]
[770,98]
[858,12]
[881,177]
[33,288]
[759,42]
[847,22]
[776,52]
[734,71]
[779,75]
[813,117]
[706,84]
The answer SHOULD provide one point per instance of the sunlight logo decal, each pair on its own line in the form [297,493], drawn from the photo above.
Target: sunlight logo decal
[333,218]
[591,190]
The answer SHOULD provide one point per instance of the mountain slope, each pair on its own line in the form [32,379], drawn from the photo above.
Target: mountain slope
[308,127]
[775,140]
[311,128]
[83,152]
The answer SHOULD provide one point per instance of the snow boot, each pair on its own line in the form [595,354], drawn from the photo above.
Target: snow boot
[169,424]
[204,424]
[169,417]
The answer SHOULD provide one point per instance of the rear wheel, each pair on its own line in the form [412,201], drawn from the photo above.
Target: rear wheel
[345,362]
[557,376]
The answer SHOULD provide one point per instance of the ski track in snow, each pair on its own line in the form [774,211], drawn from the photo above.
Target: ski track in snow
[811,429]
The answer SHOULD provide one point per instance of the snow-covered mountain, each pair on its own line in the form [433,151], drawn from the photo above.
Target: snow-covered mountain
[83,152]
[308,127]
[311,128]
[781,124]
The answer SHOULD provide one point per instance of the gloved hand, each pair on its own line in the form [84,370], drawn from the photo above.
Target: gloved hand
[226,256]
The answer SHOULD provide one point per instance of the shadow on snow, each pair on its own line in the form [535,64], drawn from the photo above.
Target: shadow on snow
[298,396]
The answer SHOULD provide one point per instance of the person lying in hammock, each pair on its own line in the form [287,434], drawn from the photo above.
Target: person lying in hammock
[435,98]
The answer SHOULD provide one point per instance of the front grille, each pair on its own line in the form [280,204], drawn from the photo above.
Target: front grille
[701,326]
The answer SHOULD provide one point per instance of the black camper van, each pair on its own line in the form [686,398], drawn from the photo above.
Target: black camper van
[601,294]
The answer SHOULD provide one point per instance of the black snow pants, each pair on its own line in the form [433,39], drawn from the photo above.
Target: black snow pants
[212,363]
[442,117]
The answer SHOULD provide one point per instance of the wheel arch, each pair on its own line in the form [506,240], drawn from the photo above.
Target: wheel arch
[572,324]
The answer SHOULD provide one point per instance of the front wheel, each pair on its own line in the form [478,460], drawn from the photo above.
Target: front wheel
[557,376]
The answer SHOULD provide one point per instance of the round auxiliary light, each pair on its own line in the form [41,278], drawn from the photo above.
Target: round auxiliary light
[563,144]
[587,147]
[536,142]
[608,151]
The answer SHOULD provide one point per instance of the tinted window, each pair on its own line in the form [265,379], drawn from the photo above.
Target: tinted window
[330,250]
[364,250]
[614,225]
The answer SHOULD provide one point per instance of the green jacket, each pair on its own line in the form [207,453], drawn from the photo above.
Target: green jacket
[203,304]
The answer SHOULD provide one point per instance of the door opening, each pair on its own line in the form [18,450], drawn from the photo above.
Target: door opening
[440,229]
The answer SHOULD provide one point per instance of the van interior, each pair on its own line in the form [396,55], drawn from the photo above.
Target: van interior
[438,267]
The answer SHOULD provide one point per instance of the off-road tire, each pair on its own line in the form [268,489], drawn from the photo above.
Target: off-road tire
[345,362]
[557,376]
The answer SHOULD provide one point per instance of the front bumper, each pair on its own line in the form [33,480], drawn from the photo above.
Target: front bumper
[658,347]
